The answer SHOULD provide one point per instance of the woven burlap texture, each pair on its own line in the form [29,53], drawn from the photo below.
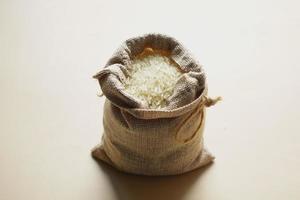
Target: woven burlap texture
[146,141]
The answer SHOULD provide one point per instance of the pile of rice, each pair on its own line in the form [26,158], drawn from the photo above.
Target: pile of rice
[152,79]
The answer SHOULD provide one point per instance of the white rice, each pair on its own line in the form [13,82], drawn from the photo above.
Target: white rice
[152,80]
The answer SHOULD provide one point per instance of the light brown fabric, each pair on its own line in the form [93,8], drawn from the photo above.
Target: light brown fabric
[146,141]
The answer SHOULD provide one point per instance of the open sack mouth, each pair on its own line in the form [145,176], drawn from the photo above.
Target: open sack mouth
[152,76]
[153,72]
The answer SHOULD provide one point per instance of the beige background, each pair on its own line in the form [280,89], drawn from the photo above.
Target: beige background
[51,117]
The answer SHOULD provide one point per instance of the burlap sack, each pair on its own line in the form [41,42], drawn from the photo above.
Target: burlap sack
[153,141]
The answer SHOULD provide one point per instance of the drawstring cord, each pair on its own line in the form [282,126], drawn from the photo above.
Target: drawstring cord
[207,102]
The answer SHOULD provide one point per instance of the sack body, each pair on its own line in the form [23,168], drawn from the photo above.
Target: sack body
[145,141]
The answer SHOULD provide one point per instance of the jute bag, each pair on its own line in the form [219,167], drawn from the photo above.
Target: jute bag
[146,141]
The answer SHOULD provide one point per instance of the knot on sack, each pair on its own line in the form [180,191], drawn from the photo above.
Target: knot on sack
[211,101]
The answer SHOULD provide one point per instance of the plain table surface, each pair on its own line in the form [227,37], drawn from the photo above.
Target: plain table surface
[51,116]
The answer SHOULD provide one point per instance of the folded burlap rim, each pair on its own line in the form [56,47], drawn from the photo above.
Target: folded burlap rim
[187,96]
